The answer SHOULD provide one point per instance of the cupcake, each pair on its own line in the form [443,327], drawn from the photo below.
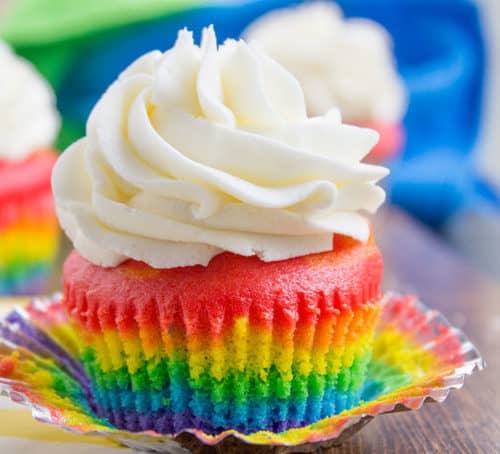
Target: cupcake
[28,224]
[223,275]
[346,63]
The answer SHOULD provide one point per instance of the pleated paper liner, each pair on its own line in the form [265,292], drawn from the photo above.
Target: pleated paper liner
[418,357]
[195,369]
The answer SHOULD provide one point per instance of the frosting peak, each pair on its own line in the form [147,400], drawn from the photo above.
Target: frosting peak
[346,63]
[28,117]
[201,150]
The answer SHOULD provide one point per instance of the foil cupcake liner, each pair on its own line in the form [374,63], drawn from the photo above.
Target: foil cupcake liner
[418,357]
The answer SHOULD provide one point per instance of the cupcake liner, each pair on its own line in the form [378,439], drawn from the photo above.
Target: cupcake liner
[417,357]
[168,373]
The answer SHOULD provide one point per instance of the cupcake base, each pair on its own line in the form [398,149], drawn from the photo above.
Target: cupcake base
[239,344]
[28,225]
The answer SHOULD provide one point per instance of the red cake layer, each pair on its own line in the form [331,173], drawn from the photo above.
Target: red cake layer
[19,179]
[35,208]
[226,289]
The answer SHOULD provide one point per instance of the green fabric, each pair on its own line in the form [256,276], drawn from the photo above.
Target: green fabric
[50,33]
[70,131]
[38,22]
[53,61]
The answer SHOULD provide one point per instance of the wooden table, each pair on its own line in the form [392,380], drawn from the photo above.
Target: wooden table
[469,421]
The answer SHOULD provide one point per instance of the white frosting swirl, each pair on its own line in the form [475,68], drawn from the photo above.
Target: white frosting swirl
[343,63]
[28,116]
[201,150]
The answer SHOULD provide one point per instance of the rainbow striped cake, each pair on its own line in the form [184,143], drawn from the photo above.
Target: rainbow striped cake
[238,344]
[28,224]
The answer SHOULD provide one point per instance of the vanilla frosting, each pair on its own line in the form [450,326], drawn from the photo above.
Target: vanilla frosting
[28,116]
[201,150]
[343,63]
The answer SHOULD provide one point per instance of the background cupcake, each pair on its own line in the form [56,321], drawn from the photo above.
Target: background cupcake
[205,283]
[343,63]
[28,226]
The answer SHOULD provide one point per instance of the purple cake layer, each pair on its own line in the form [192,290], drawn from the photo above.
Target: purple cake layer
[166,422]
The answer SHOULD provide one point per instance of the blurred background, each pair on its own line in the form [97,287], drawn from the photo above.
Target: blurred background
[443,145]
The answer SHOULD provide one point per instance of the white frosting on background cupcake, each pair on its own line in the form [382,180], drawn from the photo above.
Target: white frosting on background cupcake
[344,63]
[28,115]
[201,150]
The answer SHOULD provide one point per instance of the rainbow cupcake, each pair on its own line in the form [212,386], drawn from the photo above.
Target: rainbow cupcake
[205,285]
[343,63]
[28,224]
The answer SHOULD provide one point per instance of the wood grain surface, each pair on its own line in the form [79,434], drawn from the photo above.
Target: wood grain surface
[419,262]
[469,420]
